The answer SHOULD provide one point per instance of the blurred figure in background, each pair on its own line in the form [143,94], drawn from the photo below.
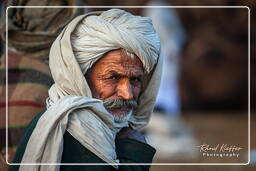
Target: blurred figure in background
[31,32]
[1,44]
[215,66]
[172,138]
[172,35]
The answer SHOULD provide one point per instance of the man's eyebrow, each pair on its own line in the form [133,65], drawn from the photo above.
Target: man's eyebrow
[136,75]
[112,72]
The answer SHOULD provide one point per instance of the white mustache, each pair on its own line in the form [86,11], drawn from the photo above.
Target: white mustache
[119,103]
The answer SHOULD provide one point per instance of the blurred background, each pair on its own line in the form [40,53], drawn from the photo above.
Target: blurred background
[203,98]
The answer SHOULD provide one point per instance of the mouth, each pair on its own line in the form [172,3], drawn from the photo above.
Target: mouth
[120,111]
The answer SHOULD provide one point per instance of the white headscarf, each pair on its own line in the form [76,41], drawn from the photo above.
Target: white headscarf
[70,105]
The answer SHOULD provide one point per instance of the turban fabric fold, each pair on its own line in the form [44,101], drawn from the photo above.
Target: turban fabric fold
[31,31]
[70,105]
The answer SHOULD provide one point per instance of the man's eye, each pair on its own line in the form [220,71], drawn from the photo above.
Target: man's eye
[136,79]
[114,77]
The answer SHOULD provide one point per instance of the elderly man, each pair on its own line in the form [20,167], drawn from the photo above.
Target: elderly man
[107,68]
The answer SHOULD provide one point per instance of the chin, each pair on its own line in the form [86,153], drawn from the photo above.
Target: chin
[122,116]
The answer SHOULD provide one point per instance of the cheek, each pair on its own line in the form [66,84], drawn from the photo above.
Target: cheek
[104,89]
[136,91]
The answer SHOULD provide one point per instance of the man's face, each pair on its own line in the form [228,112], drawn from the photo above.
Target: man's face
[116,80]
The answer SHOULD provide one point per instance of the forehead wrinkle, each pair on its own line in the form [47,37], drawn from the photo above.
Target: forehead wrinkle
[121,64]
[124,73]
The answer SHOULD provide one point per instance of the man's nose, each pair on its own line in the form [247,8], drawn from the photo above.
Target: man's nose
[124,89]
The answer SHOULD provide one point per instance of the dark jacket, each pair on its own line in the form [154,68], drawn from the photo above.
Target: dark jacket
[127,150]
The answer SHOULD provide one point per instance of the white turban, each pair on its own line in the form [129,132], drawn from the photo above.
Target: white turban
[115,29]
[70,104]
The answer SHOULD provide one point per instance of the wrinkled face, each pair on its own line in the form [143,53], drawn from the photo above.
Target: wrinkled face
[116,80]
